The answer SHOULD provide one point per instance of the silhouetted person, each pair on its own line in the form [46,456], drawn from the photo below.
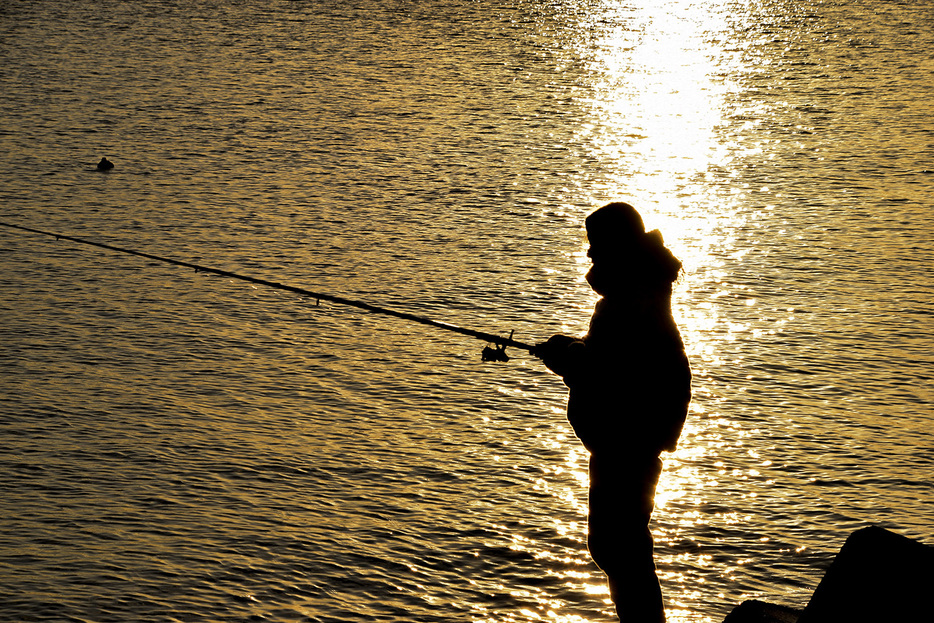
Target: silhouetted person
[105,165]
[630,386]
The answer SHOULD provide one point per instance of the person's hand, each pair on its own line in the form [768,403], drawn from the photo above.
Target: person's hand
[559,353]
[554,346]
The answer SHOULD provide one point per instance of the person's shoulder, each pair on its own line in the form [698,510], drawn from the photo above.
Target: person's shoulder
[611,307]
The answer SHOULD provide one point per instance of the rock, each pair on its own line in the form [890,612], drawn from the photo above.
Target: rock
[754,611]
[877,576]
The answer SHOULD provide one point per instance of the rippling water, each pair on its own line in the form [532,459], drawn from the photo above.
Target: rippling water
[182,447]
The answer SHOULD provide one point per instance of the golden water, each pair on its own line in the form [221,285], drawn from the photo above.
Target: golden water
[177,446]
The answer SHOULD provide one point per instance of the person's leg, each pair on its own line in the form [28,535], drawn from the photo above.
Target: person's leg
[621,503]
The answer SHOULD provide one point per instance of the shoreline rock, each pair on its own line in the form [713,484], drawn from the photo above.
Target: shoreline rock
[877,575]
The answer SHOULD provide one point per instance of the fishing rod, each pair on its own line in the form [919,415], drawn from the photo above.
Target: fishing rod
[490,353]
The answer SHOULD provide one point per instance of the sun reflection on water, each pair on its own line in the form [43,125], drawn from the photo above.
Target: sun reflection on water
[662,78]
[657,99]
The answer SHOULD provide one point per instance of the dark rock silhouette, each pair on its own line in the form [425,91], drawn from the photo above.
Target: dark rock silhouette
[755,611]
[877,576]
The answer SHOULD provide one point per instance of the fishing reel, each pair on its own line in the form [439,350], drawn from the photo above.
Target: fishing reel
[496,352]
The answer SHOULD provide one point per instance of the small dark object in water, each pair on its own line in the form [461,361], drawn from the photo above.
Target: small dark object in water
[105,165]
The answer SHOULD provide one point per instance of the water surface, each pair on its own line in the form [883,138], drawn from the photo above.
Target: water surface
[182,447]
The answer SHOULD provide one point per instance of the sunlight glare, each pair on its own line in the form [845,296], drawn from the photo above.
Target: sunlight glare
[658,100]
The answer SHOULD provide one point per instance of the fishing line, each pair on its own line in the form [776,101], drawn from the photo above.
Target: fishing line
[497,352]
